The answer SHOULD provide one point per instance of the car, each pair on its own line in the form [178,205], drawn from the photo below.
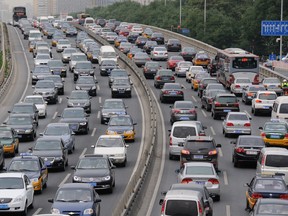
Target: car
[140,59]
[121,87]
[273,84]
[9,143]
[76,57]
[66,54]
[265,186]
[62,44]
[13,186]
[159,53]
[76,198]
[171,92]
[112,107]
[223,104]
[43,50]
[208,98]
[263,102]
[63,131]
[122,125]
[236,123]
[163,76]
[39,102]
[71,31]
[80,98]
[96,170]
[274,133]
[41,45]
[141,41]
[193,70]
[147,32]
[114,147]
[199,148]
[181,68]
[137,29]
[52,150]
[42,59]
[55,38]
[197,79]
[188,53]
[26,108]
[124,32]
[149,46]
[214,86]
[120,39]
[33,166]
[125,47]
[238,84]
[201,59]
[173,45]
[202,173]
[269,206]
[183,111]
[203,84]
[117,73]
[133,51]
[246,149]
[48,90]
[158,37]
[87,83]
[250,91]
[150,69]
[39,72]
[76,118]
[107,66]
[57,68]
[93,54]
[173,60]
[58,81]
[83,68]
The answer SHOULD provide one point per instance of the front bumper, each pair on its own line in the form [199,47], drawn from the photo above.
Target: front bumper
[12,207]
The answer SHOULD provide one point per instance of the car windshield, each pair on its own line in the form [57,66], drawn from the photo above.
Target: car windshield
[78,58]
[55,64]
[85,80]
[5,134]
[36,100]
[73,195]
[251,141]
[20,121]
[57,130]
[270,185]
[72,113]
[92,163]
[239,117]
[120,121]
[276,160]
[202,56]
[24,166]
[45,85]
[109,55]
[267,96]
[41,70]
[276,81]
[11,183]
[184,131]
[23,109]
[54,78]
[181,207]
[199,170]
[113,105]
[79,95]
[275,127]
[271,209]
[47,145]
[110,142]
[256,88]
[227,99]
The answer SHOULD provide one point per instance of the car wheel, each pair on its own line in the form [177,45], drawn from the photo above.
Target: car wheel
[110,189]
[217,198]
[102,121]
[171,157]
[124,163]
[247,206]
[17,149]
[255,112]
[236,163]
[24,213]
[45,184]
[2,165]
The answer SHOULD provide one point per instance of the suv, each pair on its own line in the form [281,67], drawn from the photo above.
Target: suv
[199,148]
[224,103]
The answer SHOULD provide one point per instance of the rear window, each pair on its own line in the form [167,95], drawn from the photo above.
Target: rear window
[181,207]
[267,96]
[227,99]
[195,145]
[247,141]
[238,117]
[277,160]
[283,108]
[183,132]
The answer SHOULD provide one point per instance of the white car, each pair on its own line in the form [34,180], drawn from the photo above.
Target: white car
[137,29]
[42,59]
[202,173]
[39,102]
[111,36]
[193,70]
[182,67]
[114,146]
[236,123]
[16,192]
[75,57]
[159,53]
[237,86]
[263,102]
[62,44]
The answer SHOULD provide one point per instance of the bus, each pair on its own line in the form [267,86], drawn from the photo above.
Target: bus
[234,63]
[18,13]
[81,17]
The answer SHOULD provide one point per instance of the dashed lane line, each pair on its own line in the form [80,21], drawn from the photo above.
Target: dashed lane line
[98,114]
[225,177]
[194,98]
[55,115]
[213,131]
[37,211]
[93,132]
[228,210]
[60,100]
[83,152]
[204,113]
[64,180]
[100,100]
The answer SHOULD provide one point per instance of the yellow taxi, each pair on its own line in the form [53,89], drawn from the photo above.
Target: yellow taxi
[9,140]
[201,59]
[197,78]
[275,133]
[33,166]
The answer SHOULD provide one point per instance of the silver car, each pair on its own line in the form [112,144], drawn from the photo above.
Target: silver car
[239,83]
[237,123]
[159,53]
[182,67]
[273,84]
[66,54]
[42,59]
[202,173]
[62,44]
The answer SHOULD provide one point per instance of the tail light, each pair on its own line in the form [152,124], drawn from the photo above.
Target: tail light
[284,196]
[229,124]
[201,86]
[258,101]
[236,104]
[263,134]
[237,86]
[148,59]
[200,208]
[217,104]
[197,81]
[186,180]
[193,111]
[250,94]
[247,124]
[240,150]
[256,196]
[175,111]
[172,78]
[145,69]
[213,152]
[211,101]
[185,152]
[179,92]
[263,160]
[155,53]
[265,86]
[231,79]
[184,53]
[213,181]
[256,79]
[286,135]
[166,92]
[163,206]
[170,141]
[158,78]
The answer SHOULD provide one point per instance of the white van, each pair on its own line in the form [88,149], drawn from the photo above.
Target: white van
[273,160]
[69,18]
[88,21]
[34,35]
[179,132]
[107,53]
[280,108]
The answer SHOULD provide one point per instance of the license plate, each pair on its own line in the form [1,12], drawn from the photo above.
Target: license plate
[238,131]
[73,127]
[93,184]
[121,91]
[19,135]
[4,206]
[165,78]
[173,93]
[227,110]
[251,153]
[198,156]
[184,118]
[265,107]
[200,182]
[47,163]
[275,136]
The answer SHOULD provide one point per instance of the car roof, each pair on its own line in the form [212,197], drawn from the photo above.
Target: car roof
[12,174]
[49,138]
[23,104]
[76,185]
[186,123]
[199,138]
[110,136]
[192,164]
[183,194]
[274,150]
[95,156]
[226,95]
[57,124]
[273,200]
[20,115]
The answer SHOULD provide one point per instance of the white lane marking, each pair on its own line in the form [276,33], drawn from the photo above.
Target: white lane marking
[60,100]
[98,114]
[212,130]
[184,87]
[98,87]
[194,98]
[228,210]
[225,177]
[55,115]
[247,113]
[83,152]
[64,180]
[204,113]
[93,132]
[220,152]
[37,211]
[100,99]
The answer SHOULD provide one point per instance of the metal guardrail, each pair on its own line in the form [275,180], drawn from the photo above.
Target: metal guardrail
[150,124]
[2,70]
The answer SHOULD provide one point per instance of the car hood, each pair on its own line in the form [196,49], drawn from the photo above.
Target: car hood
[109,150]
[120,86]
[82,70]
[48,153]
[44,90]
[19,127]
[11,193]
[85,86]
[72,206]
[92,172]
[64,137]
[57,68]
[120,128]
[72,120]
[114,111]
[78,101]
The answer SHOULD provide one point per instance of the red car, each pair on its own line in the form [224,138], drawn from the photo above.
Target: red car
[124,31]
[173,60]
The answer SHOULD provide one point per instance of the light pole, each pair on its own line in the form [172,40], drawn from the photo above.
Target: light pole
[205,5]
[281,38]
[180,13]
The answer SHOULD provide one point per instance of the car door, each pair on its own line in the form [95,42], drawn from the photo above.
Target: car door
[111,169]
[29,189]
[44,170]
[64,151]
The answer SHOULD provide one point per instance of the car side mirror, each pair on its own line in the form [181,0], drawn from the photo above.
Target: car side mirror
[41,134]
[260,128]
[73,167]
[204,127]
[134,123]
[113,167]
[51,200]
[233,142]
[218,145]
[161,201]
[177,171]
[195,106]
[246,185]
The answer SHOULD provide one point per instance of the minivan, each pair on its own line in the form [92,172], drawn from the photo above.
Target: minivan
[280,108]
[107,53]
[88,21]
[34,35]
[179,132]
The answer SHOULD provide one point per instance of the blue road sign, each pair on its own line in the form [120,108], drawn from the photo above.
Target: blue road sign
[272,57]
[274,28]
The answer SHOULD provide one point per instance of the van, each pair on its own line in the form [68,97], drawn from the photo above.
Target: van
[179,132]
[280,108]
[88,21]
[34,35]
[107,53]
[69,18]
[183,202]
[273,160]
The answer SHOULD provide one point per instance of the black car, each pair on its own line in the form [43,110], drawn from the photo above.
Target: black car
[80,98]
[149,46]
[224,103]
[203,84]
[39,72]
[202,148]
[173,45]
[132,37]
[26,108]
[270,206]
[107,66]
[183,111]
[112,107]
[83,68]
[250,91]
[247,149]
[141,41]
[158,37]
[163,76]
[88,84]
[53,151]
[122,87]
[150,69]
[117,73]
[48,90]
[77,119]
[58,81]
[171,92]
[57,67]
[97,170]
[208,98]
[188,53]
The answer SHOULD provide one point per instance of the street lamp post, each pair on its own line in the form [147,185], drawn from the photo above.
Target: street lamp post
[281,38]
[205,5]
[180,13]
